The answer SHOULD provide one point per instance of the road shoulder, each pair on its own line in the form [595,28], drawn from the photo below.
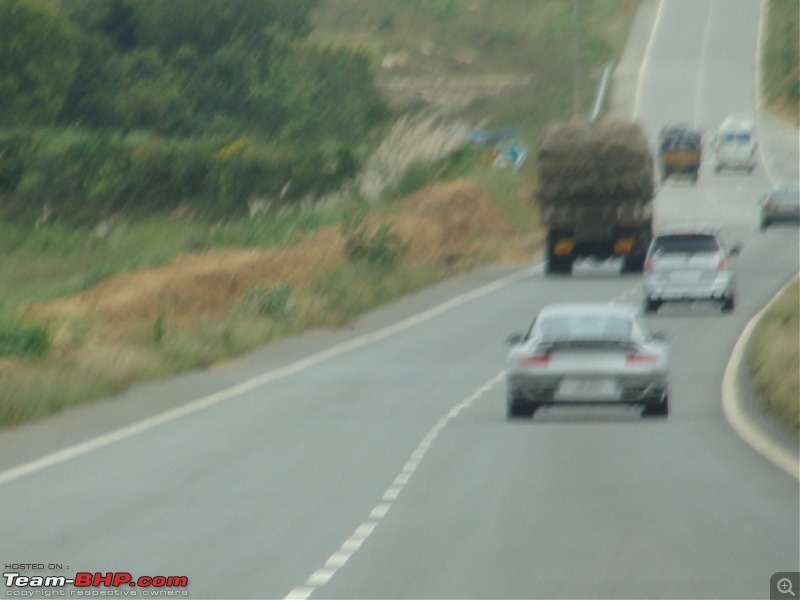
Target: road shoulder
[771,438]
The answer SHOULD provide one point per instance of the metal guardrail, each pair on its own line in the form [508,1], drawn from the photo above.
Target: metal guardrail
[600,93]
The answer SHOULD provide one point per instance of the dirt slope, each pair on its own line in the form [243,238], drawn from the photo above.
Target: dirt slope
[442,223]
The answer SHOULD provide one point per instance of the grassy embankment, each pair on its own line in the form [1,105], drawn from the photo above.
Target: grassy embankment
[775,347]
[93,354]
[774,356]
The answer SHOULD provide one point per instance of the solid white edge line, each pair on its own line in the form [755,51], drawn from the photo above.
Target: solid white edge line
[645,60]
[122,433]
[732,402]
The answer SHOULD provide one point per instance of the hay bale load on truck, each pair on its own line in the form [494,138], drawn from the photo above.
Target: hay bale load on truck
[596,188]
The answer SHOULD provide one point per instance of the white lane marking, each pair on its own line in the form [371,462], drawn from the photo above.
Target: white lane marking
[732,403]
[380,511]
[338,560]
[300,593]
[701,73]
[392,493]
[645,61]
[117,435]
[365,529]
[352,544]
[321,576]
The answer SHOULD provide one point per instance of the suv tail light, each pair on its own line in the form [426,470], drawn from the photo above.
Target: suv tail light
[723,263]
[648,265]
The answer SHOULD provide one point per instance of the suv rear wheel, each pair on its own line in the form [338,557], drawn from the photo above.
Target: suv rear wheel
[729,303]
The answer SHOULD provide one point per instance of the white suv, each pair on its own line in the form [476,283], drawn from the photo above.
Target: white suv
[687,264]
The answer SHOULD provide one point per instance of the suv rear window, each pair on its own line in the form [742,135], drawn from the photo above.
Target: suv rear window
[683,243]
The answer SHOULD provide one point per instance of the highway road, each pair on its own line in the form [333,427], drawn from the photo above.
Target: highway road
[377,462]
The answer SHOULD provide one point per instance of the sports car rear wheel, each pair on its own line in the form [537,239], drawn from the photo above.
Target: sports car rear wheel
[518,409]
[657,410]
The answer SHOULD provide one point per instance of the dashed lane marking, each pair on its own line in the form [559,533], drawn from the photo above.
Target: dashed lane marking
[339,558]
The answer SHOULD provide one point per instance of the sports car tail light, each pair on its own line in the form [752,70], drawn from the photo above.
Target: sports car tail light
[535,360]
[641,359]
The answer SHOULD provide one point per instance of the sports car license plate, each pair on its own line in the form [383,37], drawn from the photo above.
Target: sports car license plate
[588,389]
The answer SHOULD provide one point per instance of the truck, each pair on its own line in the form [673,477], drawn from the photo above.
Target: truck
[596,184]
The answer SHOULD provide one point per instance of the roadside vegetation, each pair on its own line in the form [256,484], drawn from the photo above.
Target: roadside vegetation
[775,348]
[174,196]
[774,356]
[781,69]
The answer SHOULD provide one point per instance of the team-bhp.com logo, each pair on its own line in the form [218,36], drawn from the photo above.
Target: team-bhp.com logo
[121,583]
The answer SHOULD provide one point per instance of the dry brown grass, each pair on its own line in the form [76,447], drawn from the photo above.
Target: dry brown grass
[189,313]
[195,284]
[441,222]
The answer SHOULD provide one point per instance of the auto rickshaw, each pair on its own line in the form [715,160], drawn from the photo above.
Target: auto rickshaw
[680,151]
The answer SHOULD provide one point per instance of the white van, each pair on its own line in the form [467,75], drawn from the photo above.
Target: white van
[735,145]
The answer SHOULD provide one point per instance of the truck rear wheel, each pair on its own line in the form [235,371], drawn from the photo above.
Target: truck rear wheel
[633,264]
[559,265]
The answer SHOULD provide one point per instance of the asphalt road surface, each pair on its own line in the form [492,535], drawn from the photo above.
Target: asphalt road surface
[377,462]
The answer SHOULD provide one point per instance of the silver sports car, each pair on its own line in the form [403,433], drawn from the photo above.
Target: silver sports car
[592,353]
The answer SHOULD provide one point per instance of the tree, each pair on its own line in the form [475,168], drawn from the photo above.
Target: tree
[38,60]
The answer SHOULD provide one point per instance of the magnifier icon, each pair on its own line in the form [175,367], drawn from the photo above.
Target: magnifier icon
[784,586]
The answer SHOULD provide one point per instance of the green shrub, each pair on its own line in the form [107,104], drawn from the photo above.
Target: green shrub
[19,339]
[270,303]
[82,176]
[15,151]
[159,328]
[384,247]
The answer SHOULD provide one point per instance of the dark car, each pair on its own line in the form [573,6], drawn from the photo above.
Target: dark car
[781,205]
